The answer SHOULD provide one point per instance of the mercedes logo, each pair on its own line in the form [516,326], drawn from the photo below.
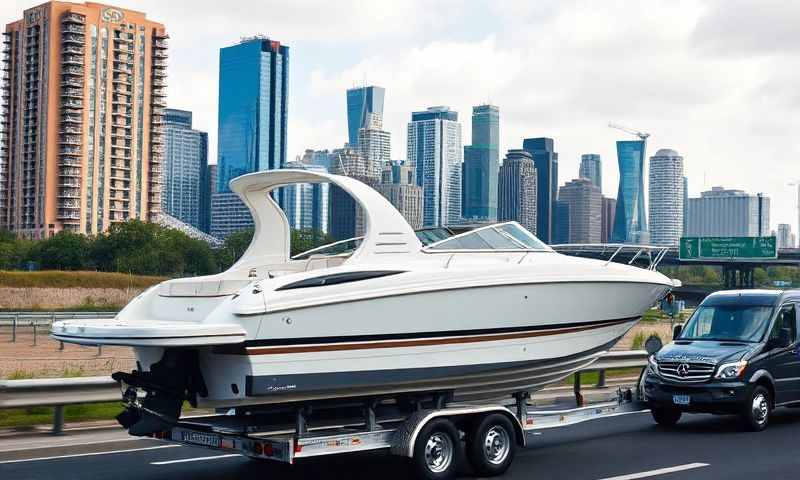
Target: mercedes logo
[683,369]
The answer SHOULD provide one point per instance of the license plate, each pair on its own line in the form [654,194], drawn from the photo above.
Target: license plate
[681,399]
[205,439]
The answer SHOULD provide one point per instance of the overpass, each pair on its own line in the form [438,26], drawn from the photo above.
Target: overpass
[736,272]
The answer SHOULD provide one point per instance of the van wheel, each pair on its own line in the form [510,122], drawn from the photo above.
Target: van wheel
[665,416]
[437,450]
[755,416]
[491,444]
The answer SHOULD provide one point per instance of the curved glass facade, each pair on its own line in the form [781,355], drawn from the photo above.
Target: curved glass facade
[630,220]
[253,78]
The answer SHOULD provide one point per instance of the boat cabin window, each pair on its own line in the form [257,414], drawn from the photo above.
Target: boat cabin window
[503,236]
[337,278]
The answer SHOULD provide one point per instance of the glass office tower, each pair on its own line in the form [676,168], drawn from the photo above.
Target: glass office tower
[253,86]
[481,164]
[546,161]
[630,220]
[361,102]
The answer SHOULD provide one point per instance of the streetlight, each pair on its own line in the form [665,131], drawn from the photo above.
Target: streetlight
[797,206]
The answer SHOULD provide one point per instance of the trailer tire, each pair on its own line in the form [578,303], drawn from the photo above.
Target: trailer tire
[437,450]
[491,444]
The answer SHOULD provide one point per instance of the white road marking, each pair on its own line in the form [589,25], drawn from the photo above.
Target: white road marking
[88,454]
[660,471]
[197,459]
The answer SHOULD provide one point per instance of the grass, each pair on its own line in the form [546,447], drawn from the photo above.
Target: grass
[18,417]
[66,279]
[591,378]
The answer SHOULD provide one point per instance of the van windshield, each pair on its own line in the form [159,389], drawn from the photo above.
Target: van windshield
[737,323]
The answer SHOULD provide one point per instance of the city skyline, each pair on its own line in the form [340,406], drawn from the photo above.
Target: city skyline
[691,110]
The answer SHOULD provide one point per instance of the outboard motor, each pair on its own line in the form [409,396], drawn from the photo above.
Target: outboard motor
[154,399]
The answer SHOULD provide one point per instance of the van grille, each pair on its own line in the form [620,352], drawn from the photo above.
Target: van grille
[696,373]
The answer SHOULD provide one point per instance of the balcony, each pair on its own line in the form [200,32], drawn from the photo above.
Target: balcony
[69,204]
[158,63]
[72,60]
[71,104]
[156,140]
[121,112]
[70,139]
[69,151]
[73,18]
[157,120]
[158,92]
[71,70]
[121,81]
[120,68]
[67,118]
[73,29]
[69,130]
[158,102]
[123,38]
[71,83]
[159,73]
[69,192]
[122,166]
[160,44]
[69,162]
[69,182]
[118,88]
[72,49]
[122,134]
[159,82]
[72,38]
[65,214]
[72,92]
[69,172]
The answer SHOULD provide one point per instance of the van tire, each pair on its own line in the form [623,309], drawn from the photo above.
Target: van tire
[665,416]
[757,409]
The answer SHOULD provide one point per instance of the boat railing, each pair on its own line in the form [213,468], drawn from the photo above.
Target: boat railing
[653,254]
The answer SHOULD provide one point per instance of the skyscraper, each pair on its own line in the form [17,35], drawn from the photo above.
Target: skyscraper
[607,219]
[83,105]
[398,185]
[516,192]
[785,239]
[585,210]
[545,159]
[434,152]
[592,168]
[185,166]
[346,217]
[630,221]
[374,143]
[562,218]
[481,164]
[209,187]
[361,102]
[728,213]
[306,204]
[253,87]
[666,197]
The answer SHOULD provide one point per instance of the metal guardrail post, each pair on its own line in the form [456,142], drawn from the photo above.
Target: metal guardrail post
[34,332]
[14,328]
[99,350]
[576,388]
[58,420]
[601,379]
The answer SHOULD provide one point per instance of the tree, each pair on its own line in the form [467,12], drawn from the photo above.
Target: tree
[63,251]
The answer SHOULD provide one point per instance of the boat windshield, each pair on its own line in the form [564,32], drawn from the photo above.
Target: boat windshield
[426,235]
[501,236]
[737,323]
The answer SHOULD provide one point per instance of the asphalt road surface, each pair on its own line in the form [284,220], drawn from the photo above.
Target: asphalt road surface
[620,448]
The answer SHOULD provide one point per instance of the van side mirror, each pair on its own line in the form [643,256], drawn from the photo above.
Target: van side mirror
[783,340]
[676,331]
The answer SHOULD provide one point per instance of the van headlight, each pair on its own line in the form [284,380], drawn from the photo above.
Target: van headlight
[652,365]
[730,371]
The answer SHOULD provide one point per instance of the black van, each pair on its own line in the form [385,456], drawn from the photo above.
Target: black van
[737,354]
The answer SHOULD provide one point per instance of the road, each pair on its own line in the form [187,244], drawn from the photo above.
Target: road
[620,448]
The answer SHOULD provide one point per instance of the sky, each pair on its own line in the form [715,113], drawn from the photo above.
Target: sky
[718,81]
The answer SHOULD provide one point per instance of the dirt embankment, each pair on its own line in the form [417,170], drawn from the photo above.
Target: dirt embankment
[16,298]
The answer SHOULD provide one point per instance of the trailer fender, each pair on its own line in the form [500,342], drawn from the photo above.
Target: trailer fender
[406,435]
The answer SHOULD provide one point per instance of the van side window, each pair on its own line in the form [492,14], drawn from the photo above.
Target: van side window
[786,319]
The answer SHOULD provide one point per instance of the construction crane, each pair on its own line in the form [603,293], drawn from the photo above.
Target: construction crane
[642,135]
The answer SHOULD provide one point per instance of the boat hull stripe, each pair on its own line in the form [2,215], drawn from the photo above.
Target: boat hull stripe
[305,345]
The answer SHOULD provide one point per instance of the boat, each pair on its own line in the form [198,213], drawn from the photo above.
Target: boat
[479,315]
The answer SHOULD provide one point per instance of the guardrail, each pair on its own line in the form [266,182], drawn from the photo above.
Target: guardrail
[37,320]
[58,392]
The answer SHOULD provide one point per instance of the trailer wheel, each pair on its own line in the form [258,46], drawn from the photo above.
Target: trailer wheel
[491,444]
[436,450]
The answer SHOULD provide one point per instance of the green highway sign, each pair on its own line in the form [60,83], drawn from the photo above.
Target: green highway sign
[733,248]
